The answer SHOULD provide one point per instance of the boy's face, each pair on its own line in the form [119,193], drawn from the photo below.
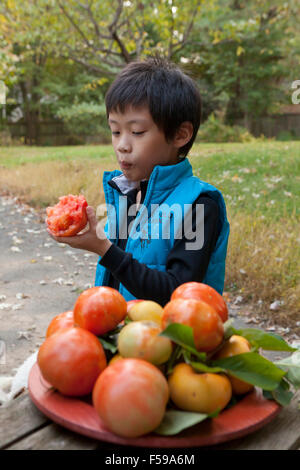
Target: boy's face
[139,144]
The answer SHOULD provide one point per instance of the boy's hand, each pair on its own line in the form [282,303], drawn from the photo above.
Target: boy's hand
[93,241]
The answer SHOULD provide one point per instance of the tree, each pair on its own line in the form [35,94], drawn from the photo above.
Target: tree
[25,28]
[108,34]
[243,59]
[240,52]
[98,36]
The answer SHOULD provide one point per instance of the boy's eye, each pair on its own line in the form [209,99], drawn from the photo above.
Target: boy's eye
[134,133]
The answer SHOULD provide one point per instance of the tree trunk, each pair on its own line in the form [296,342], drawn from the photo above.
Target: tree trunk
[31,115]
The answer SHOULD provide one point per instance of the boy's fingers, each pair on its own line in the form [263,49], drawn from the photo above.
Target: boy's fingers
[58,239]
[91,216]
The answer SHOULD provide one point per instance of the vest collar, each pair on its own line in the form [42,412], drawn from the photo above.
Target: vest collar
[169,176]
[124,184]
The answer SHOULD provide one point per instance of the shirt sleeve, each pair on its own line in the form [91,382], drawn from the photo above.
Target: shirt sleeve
[183,265]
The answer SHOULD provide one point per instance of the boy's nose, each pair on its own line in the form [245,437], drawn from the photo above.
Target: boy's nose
[124,146]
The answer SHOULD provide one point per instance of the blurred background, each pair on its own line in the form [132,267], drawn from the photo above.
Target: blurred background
[57,60]
[58,57]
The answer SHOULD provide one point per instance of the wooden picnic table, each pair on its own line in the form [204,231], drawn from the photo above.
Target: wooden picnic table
[24,427]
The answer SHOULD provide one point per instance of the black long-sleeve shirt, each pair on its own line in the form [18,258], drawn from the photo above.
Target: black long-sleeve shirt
[182,265]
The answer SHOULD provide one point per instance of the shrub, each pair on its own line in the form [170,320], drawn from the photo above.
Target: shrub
[5,138]
[214,130]
[85,119]
[287,135]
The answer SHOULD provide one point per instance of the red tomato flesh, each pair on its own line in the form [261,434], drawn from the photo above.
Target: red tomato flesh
[68,216]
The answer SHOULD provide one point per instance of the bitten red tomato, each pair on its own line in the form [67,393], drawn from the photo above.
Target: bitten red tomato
[68,217]
[130,397]
[206,324]
[71,361]
[200,291]
[99,309]
[63,320]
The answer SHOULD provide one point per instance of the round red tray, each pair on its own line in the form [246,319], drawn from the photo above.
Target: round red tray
[249,414]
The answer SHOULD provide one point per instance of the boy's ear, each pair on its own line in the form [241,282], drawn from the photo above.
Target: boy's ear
[183,134]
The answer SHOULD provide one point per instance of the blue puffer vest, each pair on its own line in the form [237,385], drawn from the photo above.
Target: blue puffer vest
[152,235]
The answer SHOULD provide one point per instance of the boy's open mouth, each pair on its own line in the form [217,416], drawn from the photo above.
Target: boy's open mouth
[125,165]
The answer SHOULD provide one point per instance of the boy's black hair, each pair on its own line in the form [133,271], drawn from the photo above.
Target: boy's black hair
[171,95]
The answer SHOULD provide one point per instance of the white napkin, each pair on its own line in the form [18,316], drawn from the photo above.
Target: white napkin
[18,382]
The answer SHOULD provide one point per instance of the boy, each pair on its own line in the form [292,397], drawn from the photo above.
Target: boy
[153,111]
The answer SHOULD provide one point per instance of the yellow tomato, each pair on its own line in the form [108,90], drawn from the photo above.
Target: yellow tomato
[199,392]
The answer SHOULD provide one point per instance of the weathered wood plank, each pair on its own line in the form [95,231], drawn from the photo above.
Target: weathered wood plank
[283,433]
[55,437]
[24,427]
[18,418]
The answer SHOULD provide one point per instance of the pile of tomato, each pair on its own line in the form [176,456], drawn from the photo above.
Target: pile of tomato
[134,382]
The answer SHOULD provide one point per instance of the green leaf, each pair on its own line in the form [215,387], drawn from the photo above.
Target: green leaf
[282,394]
[176,353]
[108,345]
[252,368]
[228,329]
[180,334]
[183,336]
[268,395]
[109,339]
[175,421]
[261,339]
[291,365]
[201,367]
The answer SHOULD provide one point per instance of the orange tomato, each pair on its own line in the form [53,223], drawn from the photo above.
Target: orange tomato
[200,291]
[207,325]
[198,392]
[99,309]
[236,345]
[63,320]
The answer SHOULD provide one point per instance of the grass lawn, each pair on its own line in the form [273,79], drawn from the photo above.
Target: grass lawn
[15,156]
[260,182]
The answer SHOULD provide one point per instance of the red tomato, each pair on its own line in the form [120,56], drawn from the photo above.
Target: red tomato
[200,291]
[71,361]
[63,320]
[100,309]
[207,325]
[130,397]
[68,217]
